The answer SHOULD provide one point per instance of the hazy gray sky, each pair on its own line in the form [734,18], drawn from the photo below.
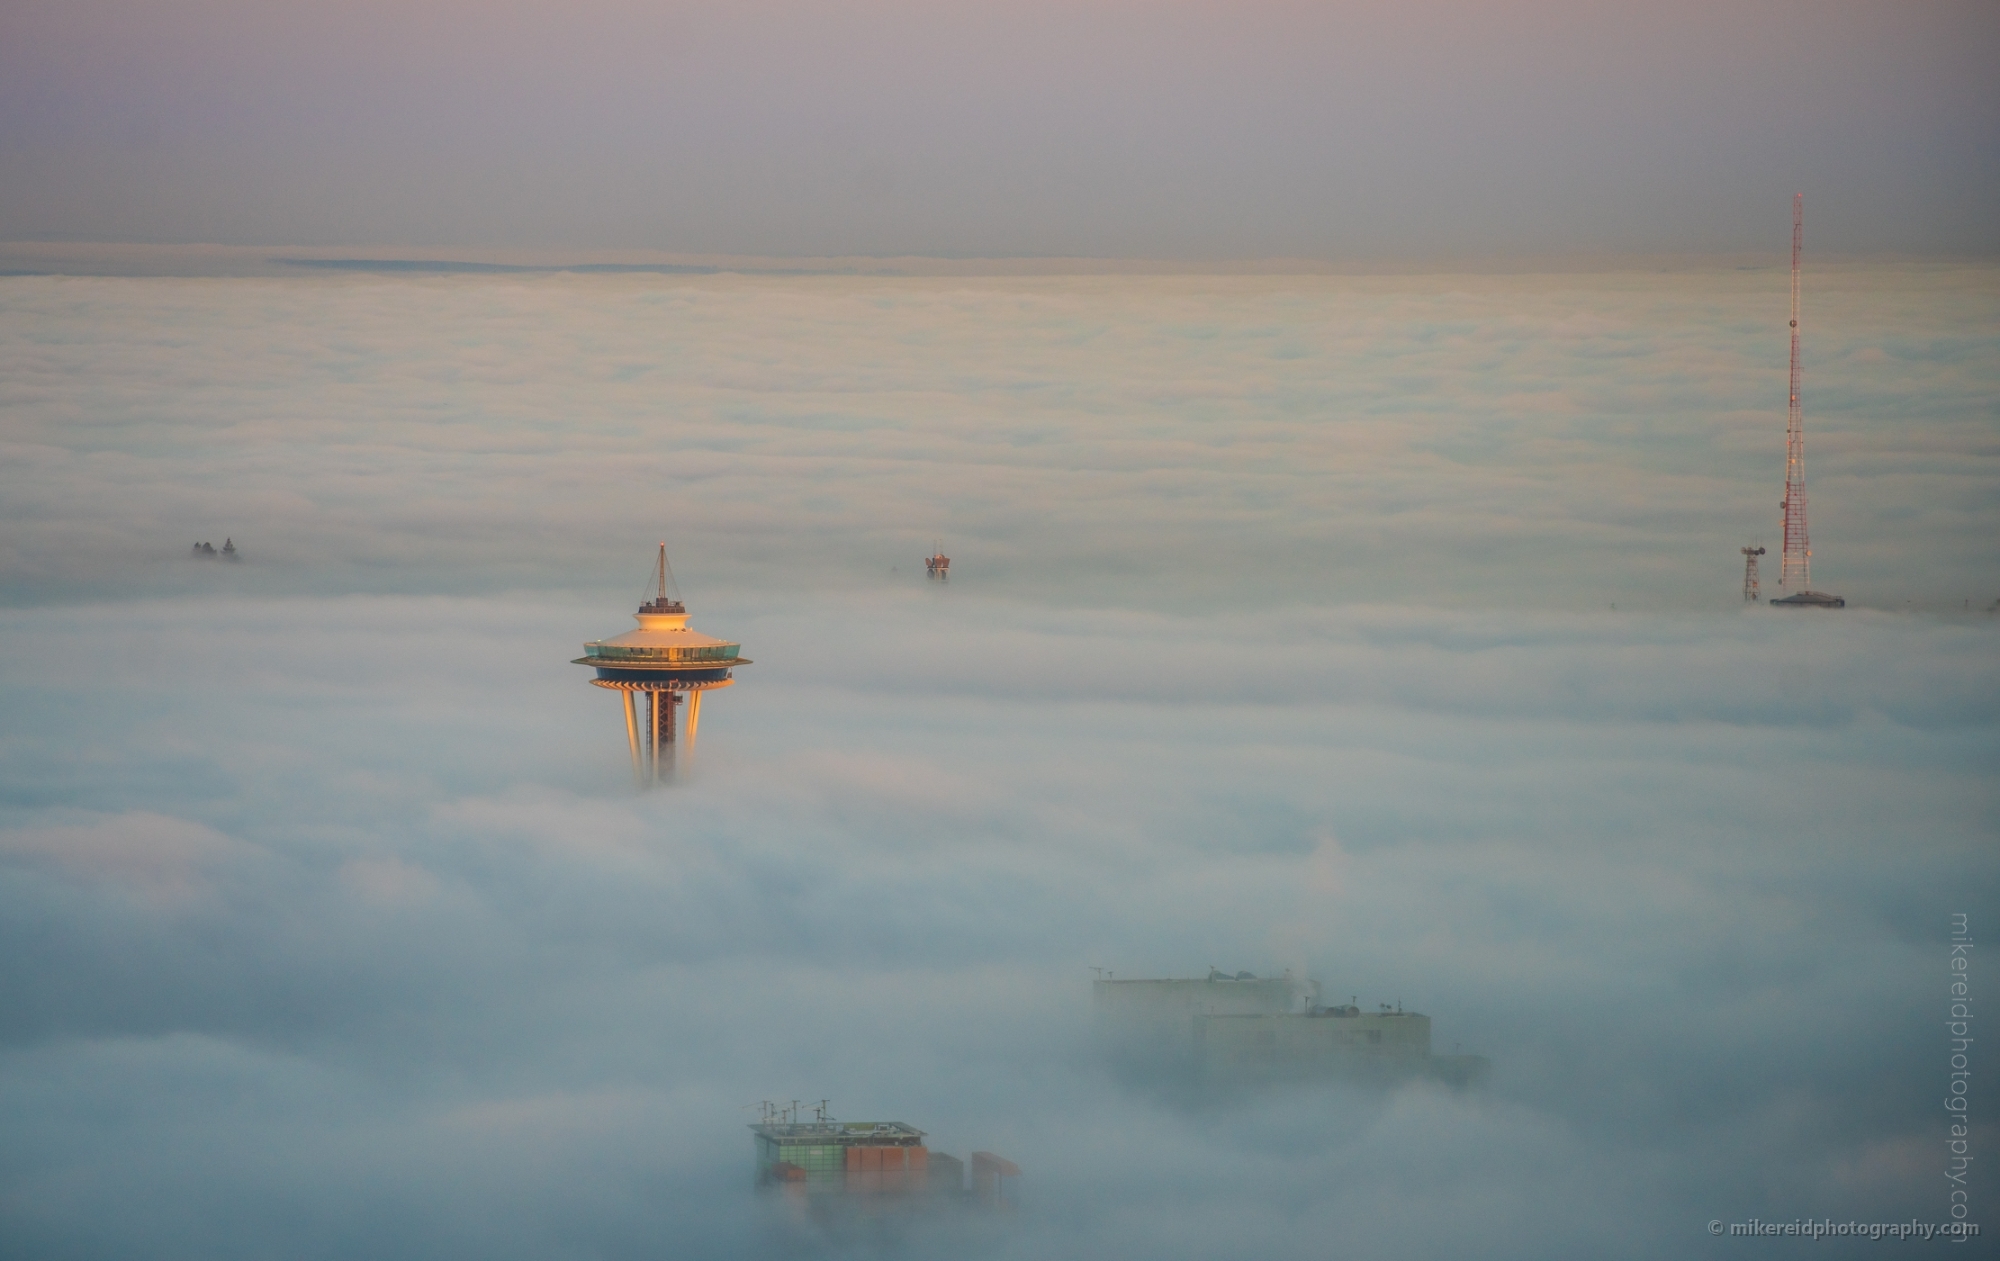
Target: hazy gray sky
[1097,127]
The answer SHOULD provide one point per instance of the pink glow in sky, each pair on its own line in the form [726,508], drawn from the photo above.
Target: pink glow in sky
[1101,127]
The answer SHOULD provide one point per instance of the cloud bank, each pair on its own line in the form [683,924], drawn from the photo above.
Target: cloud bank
[1525,441]
[1280,638]
[346,914]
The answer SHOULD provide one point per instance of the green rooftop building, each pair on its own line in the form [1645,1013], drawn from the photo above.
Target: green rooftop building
[847,1157]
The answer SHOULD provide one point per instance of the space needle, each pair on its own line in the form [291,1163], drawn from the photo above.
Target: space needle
[664,662]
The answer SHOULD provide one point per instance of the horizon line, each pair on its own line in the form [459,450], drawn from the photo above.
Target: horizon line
[192,259]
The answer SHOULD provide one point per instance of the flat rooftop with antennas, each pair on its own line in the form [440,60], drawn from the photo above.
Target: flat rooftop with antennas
[883,1163]
[1239,1029]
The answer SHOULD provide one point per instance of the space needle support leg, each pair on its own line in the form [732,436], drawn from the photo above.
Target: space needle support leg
[670,705]
[632,734]
[694,717]
[653,717]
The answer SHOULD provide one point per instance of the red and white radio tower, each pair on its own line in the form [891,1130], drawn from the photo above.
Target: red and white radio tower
[1796,562]
[1797,559]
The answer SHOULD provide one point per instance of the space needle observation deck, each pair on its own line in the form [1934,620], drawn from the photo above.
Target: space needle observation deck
[666,663]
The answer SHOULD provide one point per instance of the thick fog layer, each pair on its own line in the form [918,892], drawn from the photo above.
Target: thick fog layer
[1280,636]
[1534,442]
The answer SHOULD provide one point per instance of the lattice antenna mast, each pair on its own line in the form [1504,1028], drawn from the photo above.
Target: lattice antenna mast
[1797,559]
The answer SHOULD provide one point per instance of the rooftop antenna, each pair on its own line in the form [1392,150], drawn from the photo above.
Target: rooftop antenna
[1797,558]
[665,593]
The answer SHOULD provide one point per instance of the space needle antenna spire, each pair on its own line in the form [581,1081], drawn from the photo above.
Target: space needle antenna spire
[1795,566]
